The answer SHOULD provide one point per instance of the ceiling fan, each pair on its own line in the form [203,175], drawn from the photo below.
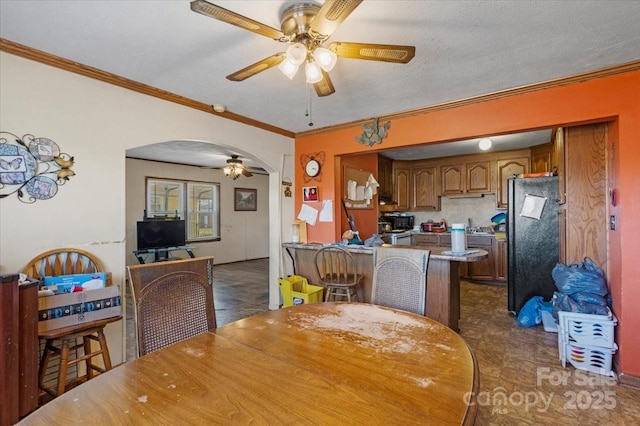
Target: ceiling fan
[234,168]
[305,27]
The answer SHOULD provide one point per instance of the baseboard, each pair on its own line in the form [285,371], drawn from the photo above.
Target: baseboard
[629,380]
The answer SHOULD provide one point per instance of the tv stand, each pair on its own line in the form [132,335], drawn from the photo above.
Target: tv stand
[161,254]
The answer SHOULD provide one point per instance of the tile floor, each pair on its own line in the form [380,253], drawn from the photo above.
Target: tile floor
[521,379]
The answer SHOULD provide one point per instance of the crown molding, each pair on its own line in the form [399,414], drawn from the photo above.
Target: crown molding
[577,78]
[77,68]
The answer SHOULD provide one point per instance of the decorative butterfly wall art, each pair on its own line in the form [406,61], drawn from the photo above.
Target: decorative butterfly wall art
[373,134]
[33,169]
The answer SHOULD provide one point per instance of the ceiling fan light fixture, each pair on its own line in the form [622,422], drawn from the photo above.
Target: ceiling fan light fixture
[296,53]
[325,58]
[485,144]
[233,171]
[313,72]
[289,69]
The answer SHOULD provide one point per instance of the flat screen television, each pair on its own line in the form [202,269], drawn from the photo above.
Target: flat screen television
[158,234]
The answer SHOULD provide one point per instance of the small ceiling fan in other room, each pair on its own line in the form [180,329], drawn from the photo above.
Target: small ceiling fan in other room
[234,168]
[306,27]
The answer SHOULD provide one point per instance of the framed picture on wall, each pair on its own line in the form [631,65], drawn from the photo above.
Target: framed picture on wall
[310,193]
[245,199]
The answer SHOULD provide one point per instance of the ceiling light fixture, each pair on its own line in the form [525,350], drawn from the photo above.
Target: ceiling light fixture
[289,69]
[485,144]
[233,171]
[313,72]
[234,168]
[316,58]
[325,58]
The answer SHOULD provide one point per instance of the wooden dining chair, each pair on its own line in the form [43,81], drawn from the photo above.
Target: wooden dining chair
[338,273]
[400,278]
[173,301]
[63,342]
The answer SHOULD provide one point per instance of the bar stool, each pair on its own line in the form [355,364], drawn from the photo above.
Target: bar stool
[337,271]
[68,342]
[68,261]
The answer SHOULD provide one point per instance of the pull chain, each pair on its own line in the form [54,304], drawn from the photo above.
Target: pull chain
[308,112]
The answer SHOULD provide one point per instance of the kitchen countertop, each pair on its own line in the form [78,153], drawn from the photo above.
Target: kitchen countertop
[436,252]
[442,298]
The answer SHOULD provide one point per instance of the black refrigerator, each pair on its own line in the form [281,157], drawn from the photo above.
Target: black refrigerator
[533,237]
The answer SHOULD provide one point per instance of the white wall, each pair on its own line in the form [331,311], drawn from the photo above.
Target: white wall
[244,235]
[96,122]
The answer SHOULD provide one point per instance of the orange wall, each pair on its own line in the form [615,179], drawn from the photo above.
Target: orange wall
[614,99]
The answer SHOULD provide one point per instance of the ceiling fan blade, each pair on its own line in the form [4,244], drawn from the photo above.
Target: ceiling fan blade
[374,52]
[330,15]
[209,9]
[246,172]
[324,87]
[258,67]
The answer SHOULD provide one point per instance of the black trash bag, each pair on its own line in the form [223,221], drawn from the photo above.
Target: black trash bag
[566,302]
[585,277]
[582,297]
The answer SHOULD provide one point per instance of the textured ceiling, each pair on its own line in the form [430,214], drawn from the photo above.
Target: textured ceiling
[463,49]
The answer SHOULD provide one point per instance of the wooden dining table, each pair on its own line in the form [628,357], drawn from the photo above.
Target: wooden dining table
[319,363]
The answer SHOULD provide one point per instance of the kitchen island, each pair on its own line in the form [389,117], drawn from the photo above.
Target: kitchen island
[443,275]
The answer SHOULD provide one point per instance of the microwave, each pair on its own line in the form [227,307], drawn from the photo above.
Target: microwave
[399,222]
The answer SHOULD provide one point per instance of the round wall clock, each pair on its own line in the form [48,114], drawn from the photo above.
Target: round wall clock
[312,168]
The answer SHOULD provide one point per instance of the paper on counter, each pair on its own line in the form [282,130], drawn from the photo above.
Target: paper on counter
[308,214]
[326,214]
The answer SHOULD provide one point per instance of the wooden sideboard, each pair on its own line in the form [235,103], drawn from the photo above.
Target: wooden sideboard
[18,348]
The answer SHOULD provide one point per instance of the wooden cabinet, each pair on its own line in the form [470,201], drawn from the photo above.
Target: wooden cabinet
[452,179]
[18,348]
[424,240]
[466,178]
[586,197]
[501,260]
[478,176]
[483,269]
[558,164]
[541,158]
[385,176]
[507,168]
[416,186]
[425,194]
[401,188]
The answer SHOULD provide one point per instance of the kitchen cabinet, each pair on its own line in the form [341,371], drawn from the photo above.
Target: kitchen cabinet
[466,178]
[416,186]
[385,176]
[485,268]
[452,179]
[507,168]
[541,158]
[401,188]
[425,194]
[425,240]
[501,260]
